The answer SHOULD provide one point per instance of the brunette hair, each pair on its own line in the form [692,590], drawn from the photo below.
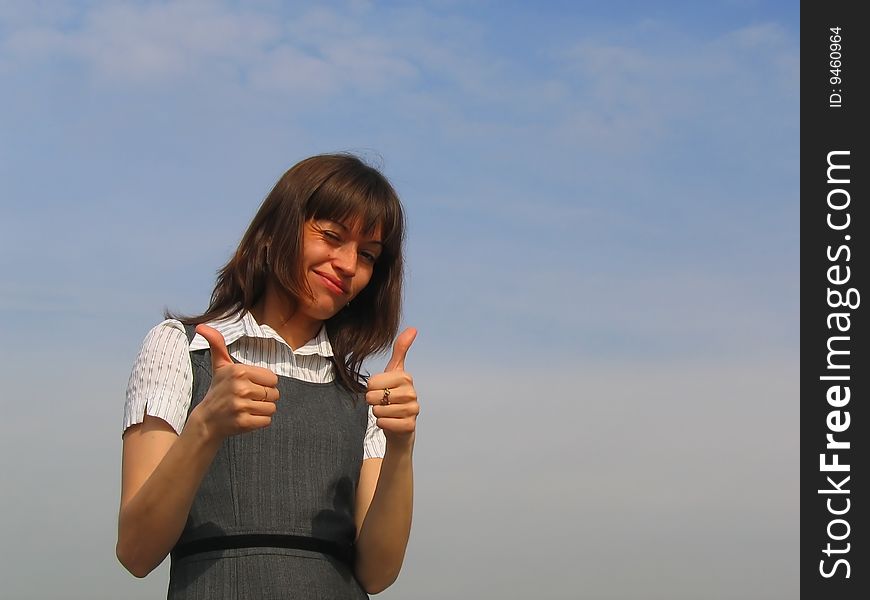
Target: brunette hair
[337,187]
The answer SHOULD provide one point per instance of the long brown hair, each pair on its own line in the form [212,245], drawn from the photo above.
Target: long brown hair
[337,187]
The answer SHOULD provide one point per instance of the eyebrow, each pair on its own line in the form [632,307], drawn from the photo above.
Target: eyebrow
[346,228]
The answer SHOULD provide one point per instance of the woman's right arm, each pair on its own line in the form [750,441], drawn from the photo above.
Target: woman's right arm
[162,470]
[160,474]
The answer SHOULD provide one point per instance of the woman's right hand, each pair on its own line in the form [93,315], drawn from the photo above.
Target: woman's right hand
[161,470]
[240,398]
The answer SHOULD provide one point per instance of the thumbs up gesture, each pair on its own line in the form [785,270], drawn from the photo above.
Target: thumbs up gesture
[241,397]
[392,393]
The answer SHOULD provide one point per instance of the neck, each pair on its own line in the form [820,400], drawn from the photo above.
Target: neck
[294,327]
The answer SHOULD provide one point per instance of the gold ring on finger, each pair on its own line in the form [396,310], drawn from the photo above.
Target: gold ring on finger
[385,401]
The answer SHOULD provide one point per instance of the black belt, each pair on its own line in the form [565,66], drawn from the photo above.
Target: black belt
[343,553]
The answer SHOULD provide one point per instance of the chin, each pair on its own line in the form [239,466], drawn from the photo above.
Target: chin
[325,310]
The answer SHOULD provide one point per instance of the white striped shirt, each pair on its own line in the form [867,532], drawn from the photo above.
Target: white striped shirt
[161,383]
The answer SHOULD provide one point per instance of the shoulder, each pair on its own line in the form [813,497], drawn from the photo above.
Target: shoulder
[168,331]
[165,342]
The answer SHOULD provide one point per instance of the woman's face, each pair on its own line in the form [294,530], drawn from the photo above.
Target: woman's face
[337,263]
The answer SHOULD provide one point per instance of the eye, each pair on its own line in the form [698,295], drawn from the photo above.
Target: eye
[369,257]
[331,235]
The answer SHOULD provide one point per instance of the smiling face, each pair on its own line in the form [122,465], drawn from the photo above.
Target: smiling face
[337,263]
[310,249]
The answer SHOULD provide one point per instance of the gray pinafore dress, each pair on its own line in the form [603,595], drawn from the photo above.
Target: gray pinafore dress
[273,517]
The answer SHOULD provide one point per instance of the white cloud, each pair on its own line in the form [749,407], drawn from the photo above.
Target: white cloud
[635,95]
[614,96]
[148,42]
[318,52]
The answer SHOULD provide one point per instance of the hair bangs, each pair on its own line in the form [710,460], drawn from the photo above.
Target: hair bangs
[360,199]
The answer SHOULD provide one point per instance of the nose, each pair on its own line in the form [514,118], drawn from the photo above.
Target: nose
[344,259]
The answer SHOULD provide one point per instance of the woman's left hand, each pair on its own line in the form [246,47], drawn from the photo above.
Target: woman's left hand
[392,394]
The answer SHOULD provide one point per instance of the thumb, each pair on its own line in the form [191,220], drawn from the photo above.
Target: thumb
[400,349]
[220,356]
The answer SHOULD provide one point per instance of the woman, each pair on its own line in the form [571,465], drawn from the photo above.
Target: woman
[254,450]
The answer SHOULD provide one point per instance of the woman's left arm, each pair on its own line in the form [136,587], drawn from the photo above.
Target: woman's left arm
[385,494]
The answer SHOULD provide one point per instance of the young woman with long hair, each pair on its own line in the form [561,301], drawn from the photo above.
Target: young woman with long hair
[255,451]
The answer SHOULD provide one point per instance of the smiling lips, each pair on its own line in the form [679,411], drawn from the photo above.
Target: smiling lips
[332,284]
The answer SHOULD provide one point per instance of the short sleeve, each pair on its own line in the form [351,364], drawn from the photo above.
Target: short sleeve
[375,442]
[161,382]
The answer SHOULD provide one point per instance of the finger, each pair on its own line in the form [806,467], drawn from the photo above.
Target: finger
[261,409]
[220,356]
[397,395]
[389,379]
[397,411]
[261,376]
[402,426]
[400,349]
[262,393]
[254,422]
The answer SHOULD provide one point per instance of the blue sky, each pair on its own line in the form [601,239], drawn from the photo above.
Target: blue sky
[603,262]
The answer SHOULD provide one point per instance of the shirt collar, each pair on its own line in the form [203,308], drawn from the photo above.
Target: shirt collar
[234,328]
